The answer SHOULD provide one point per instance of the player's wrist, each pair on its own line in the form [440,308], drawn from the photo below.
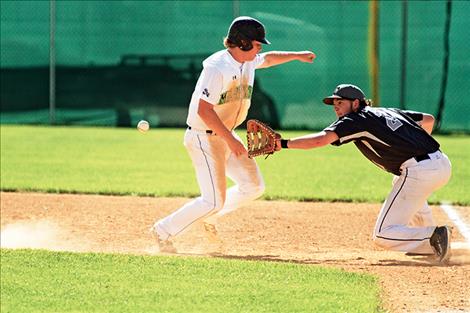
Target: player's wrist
[284,143]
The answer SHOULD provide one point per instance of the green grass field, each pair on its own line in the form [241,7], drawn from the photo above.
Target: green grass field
[41,281]
[124,161]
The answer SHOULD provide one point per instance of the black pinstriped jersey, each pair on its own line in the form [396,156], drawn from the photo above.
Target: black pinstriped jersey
[387,137]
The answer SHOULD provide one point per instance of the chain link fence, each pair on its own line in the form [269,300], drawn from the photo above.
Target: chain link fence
[116,62]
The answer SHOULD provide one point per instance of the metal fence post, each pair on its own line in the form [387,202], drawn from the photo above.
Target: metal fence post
[404,47]
[374,49]
[236,8]
[52,61]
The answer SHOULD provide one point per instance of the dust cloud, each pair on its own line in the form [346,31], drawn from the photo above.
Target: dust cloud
[39,234]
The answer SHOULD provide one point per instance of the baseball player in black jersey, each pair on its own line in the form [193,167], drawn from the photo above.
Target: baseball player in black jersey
[399,142]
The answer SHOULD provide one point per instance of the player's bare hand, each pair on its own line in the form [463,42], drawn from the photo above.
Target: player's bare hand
[237,147]
[306,56]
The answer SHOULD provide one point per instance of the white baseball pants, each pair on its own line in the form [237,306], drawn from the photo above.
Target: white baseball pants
[405,222]
[213,162]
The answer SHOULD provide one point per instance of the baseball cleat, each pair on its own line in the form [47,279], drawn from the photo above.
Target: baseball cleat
[211,232]
[164,246]
[440,243]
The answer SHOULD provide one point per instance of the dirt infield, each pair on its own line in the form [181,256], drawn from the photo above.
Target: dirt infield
[326,234]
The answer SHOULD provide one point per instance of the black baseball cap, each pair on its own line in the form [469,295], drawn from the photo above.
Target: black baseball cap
[248,27]
[345,91]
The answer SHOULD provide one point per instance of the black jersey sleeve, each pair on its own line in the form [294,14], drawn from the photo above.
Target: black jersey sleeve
[414,115]
[343,127]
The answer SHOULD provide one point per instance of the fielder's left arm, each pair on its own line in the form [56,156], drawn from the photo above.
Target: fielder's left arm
[311,141]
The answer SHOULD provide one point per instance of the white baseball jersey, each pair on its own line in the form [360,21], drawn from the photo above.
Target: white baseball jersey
[228,85]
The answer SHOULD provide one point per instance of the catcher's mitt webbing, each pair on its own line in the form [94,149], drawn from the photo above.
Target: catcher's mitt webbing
[261,139]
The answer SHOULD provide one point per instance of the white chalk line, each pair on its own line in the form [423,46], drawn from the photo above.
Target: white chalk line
[458,222]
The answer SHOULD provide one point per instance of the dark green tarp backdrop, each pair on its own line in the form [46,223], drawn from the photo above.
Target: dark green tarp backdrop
[120,61]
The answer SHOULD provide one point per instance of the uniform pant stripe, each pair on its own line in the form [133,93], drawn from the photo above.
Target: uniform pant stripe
[209,169]
[395,239]
[390,206]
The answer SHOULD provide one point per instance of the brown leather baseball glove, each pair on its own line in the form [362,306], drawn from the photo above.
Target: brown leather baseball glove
[261,139]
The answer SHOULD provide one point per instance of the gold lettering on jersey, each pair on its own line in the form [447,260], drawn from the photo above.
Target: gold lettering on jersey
[233,105]
[236,92]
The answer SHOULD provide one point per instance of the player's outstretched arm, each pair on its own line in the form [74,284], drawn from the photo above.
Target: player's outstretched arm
[274,58]
[311,141]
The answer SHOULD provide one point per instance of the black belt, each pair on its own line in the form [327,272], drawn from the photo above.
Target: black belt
[208,131]
[423,157]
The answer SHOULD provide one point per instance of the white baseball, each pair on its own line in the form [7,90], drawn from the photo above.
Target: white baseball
[143,126]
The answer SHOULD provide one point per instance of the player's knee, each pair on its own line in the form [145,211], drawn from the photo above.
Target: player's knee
[253,190]
[256,190]
[378,241]
[220,203]
[217,207]
[214,205]
[259,189]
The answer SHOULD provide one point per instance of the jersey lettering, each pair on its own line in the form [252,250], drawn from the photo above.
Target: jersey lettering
[393,123]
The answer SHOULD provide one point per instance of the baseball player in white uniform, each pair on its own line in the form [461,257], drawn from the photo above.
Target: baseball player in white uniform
[219,104]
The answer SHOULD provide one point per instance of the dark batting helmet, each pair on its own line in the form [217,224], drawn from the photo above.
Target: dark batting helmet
[244,29]
[345,91]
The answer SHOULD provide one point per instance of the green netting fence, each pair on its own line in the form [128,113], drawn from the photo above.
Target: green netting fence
[116,62]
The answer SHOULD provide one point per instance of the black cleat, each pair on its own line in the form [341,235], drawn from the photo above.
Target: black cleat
[440,243]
